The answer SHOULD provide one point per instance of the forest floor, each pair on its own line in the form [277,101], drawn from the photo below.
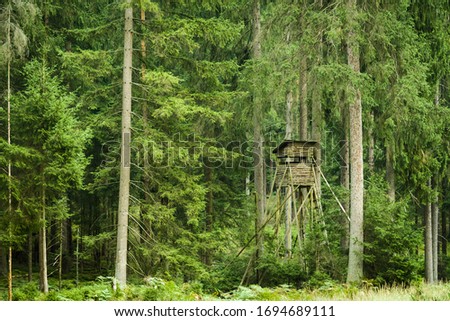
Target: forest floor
[156,289]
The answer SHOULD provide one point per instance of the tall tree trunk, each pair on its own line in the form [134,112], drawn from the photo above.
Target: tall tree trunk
[444,234]
[390,173]
[371,152]
[345,178]
[316,108]
[289,123]
[146,224]
[10,274]
[258,148]
[316,128]
[429,243]
[355,262]
[289,191]
[435,222]
[43,281]
[303,113]
[303,81]
[288,222]
[60,254]
[143,57]
[124,187]
[435,228]
[435,205]
[247,183]
[77,257]
[303,130]
[8,98]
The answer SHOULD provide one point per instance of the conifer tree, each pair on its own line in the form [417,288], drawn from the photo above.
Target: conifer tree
[58,141]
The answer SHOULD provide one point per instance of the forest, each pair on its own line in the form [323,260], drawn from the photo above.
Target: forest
[171,149]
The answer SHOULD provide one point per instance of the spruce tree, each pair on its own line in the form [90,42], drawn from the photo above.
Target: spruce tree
[47,125]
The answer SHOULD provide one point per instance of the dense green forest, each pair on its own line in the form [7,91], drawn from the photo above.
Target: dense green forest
[137,143]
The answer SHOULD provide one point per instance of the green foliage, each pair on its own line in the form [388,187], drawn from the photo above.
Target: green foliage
[19,17]
[320,280]
[227,273]
[47,113]
[391,238]
[48,151]
[158,289]
[26,292]
[86,293]
[88,72]
[155,289]
[253,293]
[279,271]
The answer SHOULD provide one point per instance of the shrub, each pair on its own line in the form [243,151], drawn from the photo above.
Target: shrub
[391,239]
[26,292]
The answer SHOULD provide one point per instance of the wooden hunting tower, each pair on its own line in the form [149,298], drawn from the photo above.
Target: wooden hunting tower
[296,163]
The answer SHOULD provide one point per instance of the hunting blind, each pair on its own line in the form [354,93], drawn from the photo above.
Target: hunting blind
[296,163]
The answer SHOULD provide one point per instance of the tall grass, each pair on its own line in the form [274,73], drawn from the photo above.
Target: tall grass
[340,292]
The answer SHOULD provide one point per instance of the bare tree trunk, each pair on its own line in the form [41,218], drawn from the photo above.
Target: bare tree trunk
[435,229]
[429,244]
[124,188]
[444,234]
[303,82]
[355,262]
[288,223]
[60,265]
[8,98]
[10,274]
[316,109]
[43,281]
[435,206]
[303,121]
[289,198]
[345,179]
[143,54]
[247,183]
[303,130]
[289,125]
[316,134]
[77,257]
[371,153]
[146,224]
[258,148]
[435,209]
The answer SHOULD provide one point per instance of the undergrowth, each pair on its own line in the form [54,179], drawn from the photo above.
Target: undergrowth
[156,289]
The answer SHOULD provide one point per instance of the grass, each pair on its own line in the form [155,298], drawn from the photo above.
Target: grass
[342,292]
[155,289]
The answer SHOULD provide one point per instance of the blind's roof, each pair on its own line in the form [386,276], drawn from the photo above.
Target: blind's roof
[306,143]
